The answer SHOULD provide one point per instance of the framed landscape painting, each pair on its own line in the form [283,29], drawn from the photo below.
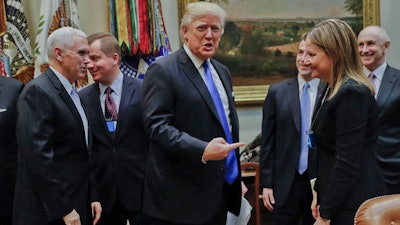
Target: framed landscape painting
[261,37]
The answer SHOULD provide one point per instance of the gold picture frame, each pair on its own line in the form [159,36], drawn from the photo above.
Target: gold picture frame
[255,94]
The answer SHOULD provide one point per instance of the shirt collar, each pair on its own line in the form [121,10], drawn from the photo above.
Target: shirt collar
[116,86]
[378,72]
[313,83]
[64,81]
[196,61]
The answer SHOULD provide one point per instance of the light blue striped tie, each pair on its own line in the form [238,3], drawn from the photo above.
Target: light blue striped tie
[305,127]
[77,102]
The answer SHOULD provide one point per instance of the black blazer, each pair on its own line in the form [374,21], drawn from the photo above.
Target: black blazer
[281,140]
[118,162]
[9,91]
[345,132]
[388,100]
[180,119]
[53,177]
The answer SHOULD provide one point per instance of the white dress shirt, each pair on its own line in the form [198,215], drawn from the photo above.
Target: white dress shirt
[378,72]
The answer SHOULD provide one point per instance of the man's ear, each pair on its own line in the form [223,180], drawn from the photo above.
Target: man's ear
[58,54]
[184,34]
[386,46]
[116,58]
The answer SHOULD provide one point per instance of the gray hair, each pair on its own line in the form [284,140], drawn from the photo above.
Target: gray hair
[62,38]
[198,9]
[380,31]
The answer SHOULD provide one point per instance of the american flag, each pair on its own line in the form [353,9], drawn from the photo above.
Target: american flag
[16,51]
[54,14]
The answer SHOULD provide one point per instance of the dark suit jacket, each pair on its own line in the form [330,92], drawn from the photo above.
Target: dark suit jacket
[9,92]
[52,177]
[180,120]
[388,101]
[281,140]
[346,134]
[119,162]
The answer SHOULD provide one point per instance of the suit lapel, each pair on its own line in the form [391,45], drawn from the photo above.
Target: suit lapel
[293,99]
[226,82]
[192,73]
[126,96]
[318,100]
[64,95]
[388,81]
[67,99]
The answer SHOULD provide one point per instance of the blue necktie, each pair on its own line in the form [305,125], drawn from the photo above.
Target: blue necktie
[305,127]
[77,103]
[231,172]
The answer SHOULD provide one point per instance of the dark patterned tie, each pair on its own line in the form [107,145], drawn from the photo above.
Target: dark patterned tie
[110,110]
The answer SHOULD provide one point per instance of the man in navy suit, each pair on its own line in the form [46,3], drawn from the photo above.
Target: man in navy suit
[9,92]
[286,189]
[374,43]
[53,182]
[188,177]
[120,146]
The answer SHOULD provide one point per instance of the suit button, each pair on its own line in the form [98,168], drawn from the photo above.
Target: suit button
[86,187]
[114,150]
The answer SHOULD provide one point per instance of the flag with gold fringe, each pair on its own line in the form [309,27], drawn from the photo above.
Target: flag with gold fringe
[15,45]
[3,29]
[139,27]
[54,14]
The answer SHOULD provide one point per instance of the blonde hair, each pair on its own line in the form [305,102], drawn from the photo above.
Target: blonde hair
[198,9]
[340,43]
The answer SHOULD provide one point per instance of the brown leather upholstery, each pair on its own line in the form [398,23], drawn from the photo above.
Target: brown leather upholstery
[378,211]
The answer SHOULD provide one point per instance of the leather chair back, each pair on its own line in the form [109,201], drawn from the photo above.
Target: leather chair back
[378,211]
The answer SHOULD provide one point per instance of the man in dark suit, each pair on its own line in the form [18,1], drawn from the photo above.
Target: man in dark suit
[52,134]
[193,174]
[120,146]
[9,92]
[374,43]
[286,187]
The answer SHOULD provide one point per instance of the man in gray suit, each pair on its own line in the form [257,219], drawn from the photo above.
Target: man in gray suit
[53,140]
[373,44]
[9,92]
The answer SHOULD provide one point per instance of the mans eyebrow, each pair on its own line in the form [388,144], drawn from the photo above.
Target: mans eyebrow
[83,52]
[94,56]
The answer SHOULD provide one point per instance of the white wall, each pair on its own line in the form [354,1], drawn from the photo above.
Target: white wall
[249,122]
[389,16]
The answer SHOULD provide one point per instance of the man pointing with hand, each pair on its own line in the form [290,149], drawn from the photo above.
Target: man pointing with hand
[193,174]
